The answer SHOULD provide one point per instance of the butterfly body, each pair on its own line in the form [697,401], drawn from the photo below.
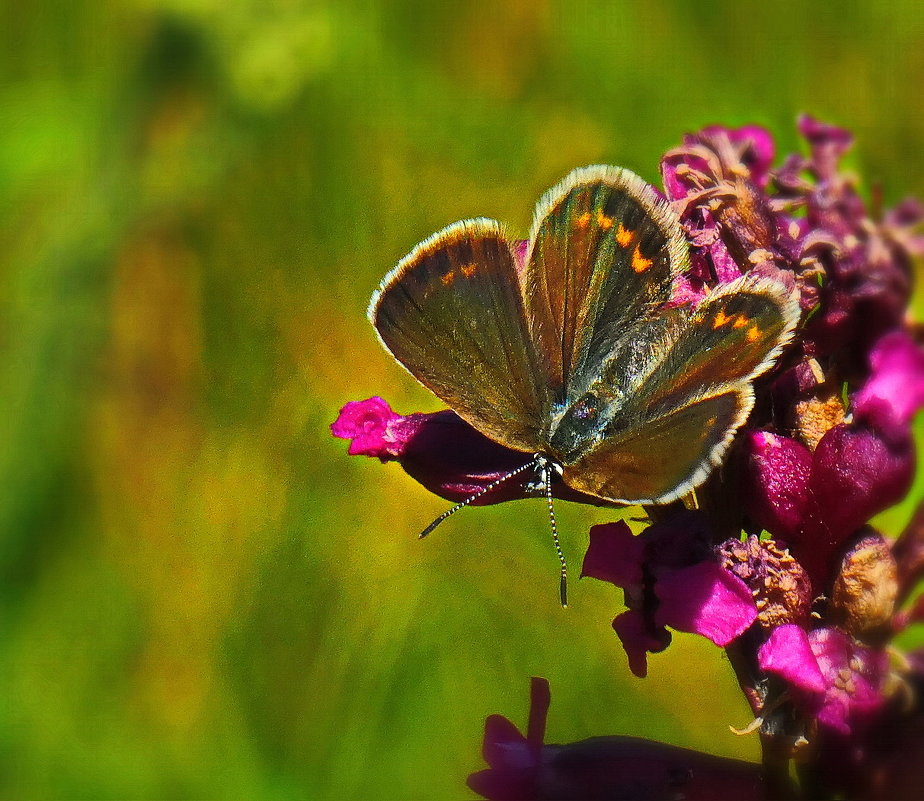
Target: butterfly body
[572,350]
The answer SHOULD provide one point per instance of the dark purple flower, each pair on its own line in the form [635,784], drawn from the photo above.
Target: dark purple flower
[815,501]
[671,577]
[837,680]
[441,451]
[523,768]
[894,748]
[863,264]
[806,402]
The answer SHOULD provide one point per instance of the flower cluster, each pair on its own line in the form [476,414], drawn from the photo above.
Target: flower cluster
[777,563]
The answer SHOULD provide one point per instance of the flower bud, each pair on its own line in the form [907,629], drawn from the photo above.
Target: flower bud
[865,589]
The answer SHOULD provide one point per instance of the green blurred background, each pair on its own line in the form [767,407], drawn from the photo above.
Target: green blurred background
[201,595]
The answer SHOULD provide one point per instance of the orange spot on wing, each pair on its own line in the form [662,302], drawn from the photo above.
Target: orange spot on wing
[448,278]
[583,221]
[720,319]
[639,262]
[468,270]
[603,221]
[740,321]
[753,333]
[623,237]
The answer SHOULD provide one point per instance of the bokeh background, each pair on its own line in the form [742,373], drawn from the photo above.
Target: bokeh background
[201,595]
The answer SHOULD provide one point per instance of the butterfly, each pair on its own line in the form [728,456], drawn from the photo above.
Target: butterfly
[571,352]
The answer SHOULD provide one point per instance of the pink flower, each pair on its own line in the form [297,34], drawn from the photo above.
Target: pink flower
[895,388]
[671,577]
[372,428]
[837,680]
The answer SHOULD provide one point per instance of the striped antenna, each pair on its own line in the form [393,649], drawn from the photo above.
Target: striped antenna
[563,584]
[474,497]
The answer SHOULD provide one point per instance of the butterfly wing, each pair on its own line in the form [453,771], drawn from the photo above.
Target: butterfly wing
[659,459]
[452,313]
[667,422]
[603,251]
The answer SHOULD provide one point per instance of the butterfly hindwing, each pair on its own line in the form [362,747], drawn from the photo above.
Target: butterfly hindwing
[734,335]
[452,313]
[604,249]
[661,427]
[658,460]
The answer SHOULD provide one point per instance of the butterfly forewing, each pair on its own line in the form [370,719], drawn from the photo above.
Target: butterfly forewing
[604,249]
[452,313]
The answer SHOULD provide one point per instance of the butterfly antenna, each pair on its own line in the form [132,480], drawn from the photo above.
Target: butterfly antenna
[563,586]
[474,497]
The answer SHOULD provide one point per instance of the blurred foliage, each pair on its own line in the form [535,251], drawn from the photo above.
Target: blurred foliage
[202,596]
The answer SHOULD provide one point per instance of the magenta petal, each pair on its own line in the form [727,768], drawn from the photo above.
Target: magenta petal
[788,654]
[854,676]
[896,384]
[684,293]
[759,157]
[637,640]
[614,555]
[725,267]
[520,250]
[503,742]
[367,424]
[705,599]
[777,483]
